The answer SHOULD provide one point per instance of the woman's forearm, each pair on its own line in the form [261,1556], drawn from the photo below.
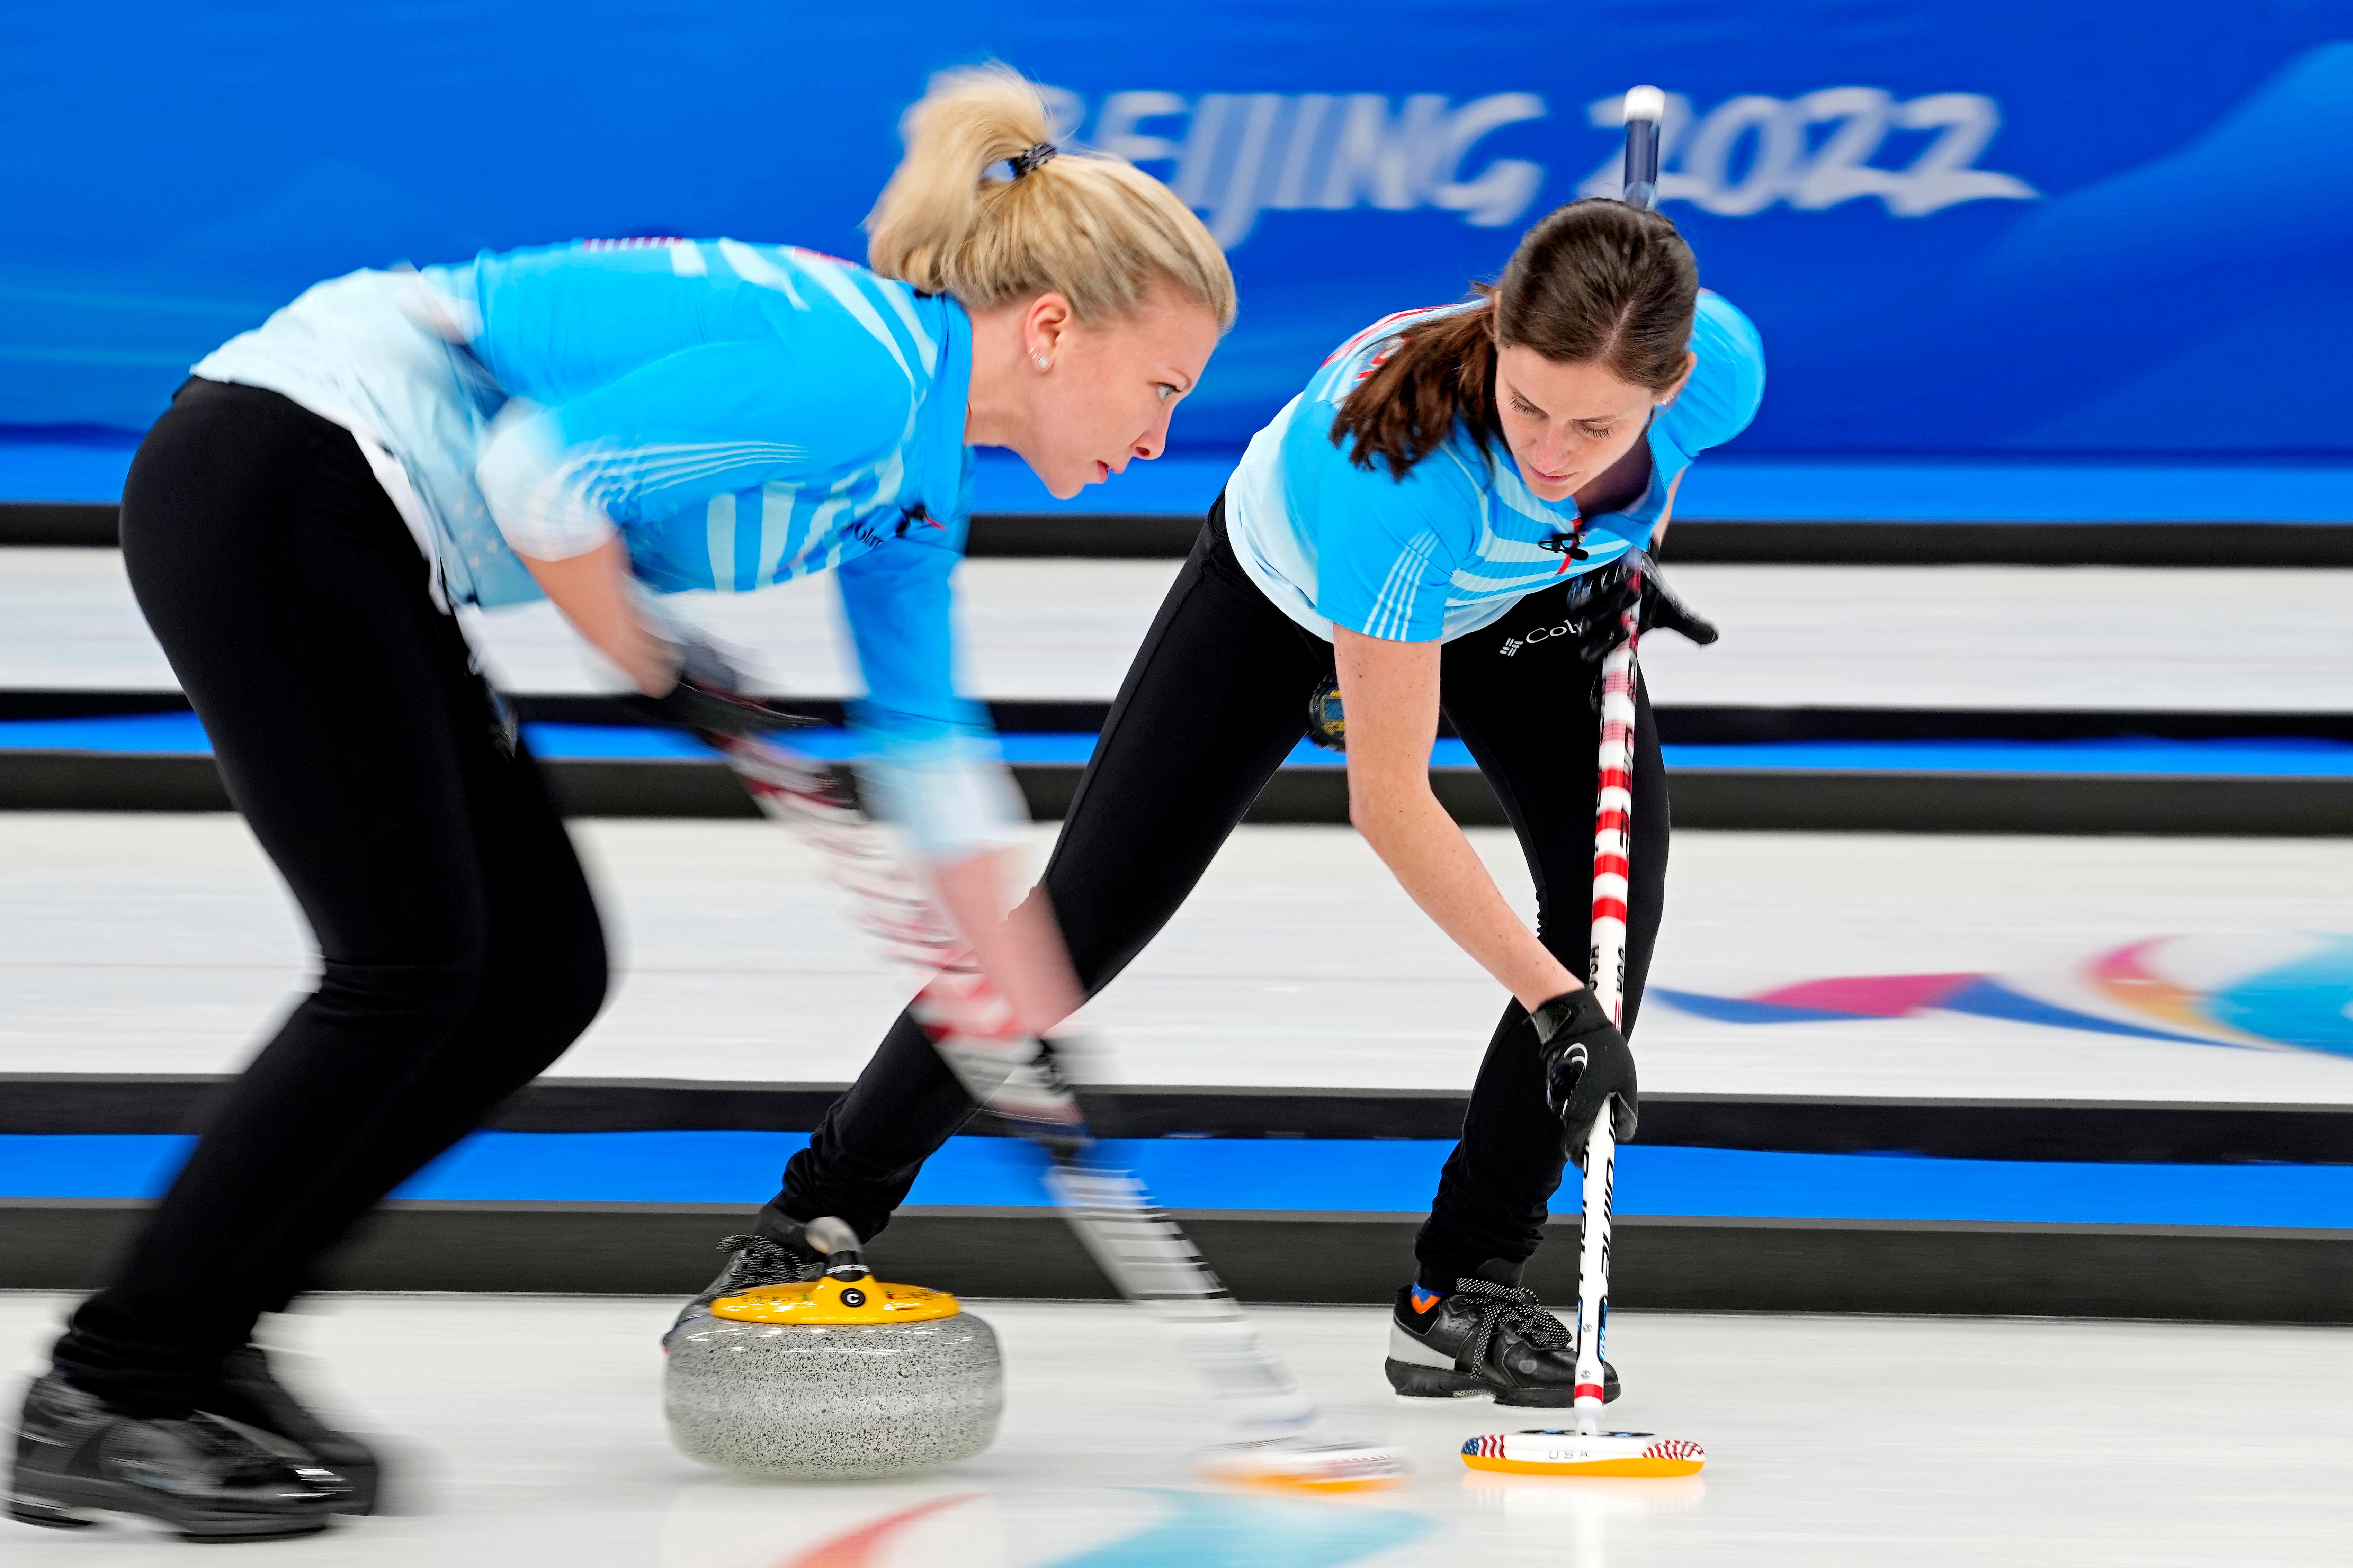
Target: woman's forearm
[1390,691]
[1021,952]
[593,592]
[1436,866]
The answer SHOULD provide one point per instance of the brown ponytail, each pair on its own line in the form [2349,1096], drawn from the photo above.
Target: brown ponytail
[1594,283]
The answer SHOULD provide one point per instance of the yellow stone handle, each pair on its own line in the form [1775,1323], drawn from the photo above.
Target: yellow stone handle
[830,1301]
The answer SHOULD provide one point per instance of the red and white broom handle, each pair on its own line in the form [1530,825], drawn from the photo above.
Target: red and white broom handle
[1645,114]
[1612,837]
[1613,821]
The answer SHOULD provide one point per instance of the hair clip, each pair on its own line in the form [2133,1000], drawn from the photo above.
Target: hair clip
[1036,157]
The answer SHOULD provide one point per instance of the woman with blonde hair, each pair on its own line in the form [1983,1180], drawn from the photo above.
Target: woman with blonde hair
[1451,518]
[597,423]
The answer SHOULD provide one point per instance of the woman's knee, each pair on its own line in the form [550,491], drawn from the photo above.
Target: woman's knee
[579,983]
[421,997]
[551,989]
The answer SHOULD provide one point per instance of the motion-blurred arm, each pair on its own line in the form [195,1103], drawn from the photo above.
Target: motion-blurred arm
[932,769]
[595,593]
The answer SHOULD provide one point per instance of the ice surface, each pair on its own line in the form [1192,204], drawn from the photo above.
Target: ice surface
[1831,1442]
[1893,637]
[150,943]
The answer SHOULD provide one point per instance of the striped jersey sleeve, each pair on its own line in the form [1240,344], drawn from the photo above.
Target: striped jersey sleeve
[1394,591]
[1726,384]
[1389,548]
[669,436]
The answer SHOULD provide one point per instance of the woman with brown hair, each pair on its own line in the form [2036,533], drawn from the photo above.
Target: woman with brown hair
[597,423]
[1449,518]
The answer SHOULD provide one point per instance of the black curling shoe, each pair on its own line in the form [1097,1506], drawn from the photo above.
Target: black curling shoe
[758,1261]
[1483,1337]
[248,1392]
[77,1456]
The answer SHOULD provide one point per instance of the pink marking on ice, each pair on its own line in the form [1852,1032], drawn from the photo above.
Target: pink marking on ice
[1870,995]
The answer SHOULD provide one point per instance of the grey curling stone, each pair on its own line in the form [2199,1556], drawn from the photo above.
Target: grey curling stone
[847,1378]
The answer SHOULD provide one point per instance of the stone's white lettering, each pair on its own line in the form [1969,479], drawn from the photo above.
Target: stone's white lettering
[1751,152]
[1232,156]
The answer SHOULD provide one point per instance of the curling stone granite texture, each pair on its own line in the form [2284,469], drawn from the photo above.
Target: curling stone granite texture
[832,1401]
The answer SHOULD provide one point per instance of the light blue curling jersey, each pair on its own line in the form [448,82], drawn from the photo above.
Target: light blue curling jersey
[1453,544]
[740,414]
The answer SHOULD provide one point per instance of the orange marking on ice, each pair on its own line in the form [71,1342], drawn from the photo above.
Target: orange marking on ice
[2125,975]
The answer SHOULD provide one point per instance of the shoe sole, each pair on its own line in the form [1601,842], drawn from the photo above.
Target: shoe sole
[365,1479]
[1538,1398]
[47,1514]
[360,1470]
[1412,1382]
[74,1499]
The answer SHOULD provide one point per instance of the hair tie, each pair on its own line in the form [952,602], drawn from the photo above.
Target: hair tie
[1035,158]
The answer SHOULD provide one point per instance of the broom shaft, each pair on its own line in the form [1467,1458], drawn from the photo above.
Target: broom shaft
[1613,821]
[1613,841]
[1147,1256]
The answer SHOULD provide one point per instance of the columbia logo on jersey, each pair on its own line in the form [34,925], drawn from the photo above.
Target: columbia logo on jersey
[1541,634]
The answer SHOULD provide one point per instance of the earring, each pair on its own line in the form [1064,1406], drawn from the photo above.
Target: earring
[1038,360]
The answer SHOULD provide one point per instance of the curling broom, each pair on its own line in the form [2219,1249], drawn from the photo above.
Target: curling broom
[1147,1257]
[1586,1450]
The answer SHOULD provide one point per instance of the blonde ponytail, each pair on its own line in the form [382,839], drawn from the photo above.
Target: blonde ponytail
[1096,230]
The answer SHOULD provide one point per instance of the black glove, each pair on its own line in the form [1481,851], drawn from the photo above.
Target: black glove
[707,699]
[1598,601]
[1587,1063]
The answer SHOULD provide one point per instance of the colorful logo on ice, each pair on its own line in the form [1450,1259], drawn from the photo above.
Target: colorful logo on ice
[1190,1528]
[2254,993]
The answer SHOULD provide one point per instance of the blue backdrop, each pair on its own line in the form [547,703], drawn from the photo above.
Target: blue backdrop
[2108,227]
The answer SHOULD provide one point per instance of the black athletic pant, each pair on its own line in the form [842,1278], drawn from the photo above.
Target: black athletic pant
[1216,700]
[461,951]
